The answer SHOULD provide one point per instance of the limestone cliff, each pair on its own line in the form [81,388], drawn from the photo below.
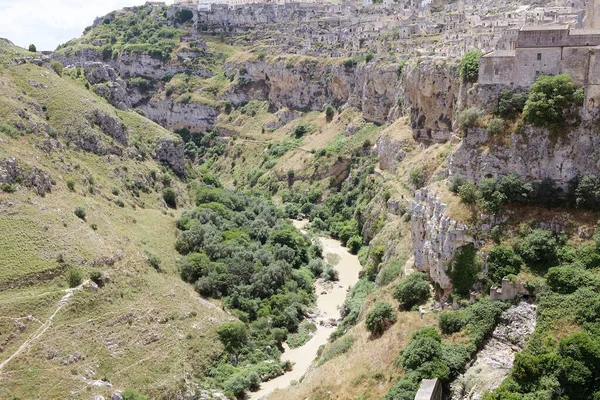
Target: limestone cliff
[533,153]
[431,91]
[310,84]
[436,237]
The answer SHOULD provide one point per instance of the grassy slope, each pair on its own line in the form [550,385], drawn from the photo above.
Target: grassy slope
[144,329]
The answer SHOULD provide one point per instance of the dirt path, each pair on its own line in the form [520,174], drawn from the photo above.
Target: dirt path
[328,305]
[44,327]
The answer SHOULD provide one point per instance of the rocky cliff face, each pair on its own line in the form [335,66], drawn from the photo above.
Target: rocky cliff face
[533,153]
[173,115]
[309,85]
[431,90]
[436,237]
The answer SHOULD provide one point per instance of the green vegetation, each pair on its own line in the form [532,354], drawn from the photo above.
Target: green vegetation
[80,212]
[170,197]
[32,48]
[130,394]
[57,67]
[468,118]
[338,347]
[510,104]
[465,267]
[469,66]
[549,97]
[501,262]
[380,317]
[74,278]
[413,290]
[305,331]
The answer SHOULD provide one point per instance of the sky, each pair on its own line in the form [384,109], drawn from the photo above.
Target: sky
[48,23]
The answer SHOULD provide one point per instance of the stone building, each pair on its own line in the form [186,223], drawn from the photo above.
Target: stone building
[551,50]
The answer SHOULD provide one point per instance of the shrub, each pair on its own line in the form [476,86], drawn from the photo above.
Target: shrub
[120,203]
[452,321]
[32,48]
[71,185]
[96,277]
[468,193]
[349,63]
[140,83]
[389,273]
[233,335]
[548,98]
[184,15]
[380,317]
[469,66]
[538,249]
[8,188]
[300,131]
[369,56]
[456,182]
[74,277]
[80,212]
[170,197]
[130,394]
[354,244]
[261,55]
[329,112]
[153,260]
[467,118]
[57,67]
[510,103]
[417,177]
[495,126]
[566,280]
[413,290]
[330,274]
[502,261]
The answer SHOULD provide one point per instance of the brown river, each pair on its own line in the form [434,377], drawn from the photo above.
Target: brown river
[329,301]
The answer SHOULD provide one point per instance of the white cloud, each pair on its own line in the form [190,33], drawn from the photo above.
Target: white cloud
[48,23]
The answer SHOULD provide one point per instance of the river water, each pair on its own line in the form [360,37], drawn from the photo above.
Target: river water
[329,301]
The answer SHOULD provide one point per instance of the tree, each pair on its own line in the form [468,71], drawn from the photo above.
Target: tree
[354,244]
[32,48]
[413,290]
[502,261]
[57,67]
[329,112]
[538,249]
[548,97]
[469,66]
[452,321]
[465,268]
[233,335]
[468,193]
[380,317]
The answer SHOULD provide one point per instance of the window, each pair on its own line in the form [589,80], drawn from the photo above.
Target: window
[537,41]
[495,71]
[539,56]
[537,73]
[553,39]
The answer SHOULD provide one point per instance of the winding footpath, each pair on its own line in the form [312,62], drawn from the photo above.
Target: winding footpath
[44,327]
[329,302]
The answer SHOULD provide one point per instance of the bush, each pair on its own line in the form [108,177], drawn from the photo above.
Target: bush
[329,112]
[300,131]
[510,103]
[417,177]
[8,188]
[71,185]
[330,274]
[130,394]
[548,98]
[153,260]
[495,126]
[184,15]
[566,280]
[456,182]
[502,261]
[469,66]
[468,118]
[380,317]
[369,56]
[142,84]
[233,335]
[539,249]
[389,273]
[452,321]
[468,193]
[413,290]
[170,197]
[74,277]
[96,277]
[354,244]
[57,67]
[80,212]
[32,48]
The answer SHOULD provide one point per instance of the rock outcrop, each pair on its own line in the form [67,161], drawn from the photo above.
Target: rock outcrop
[436,237]
[106,83]
[533,153]
[309,85]
[431,91]
[174,115]
[12,171]
[495,360]
[171,152]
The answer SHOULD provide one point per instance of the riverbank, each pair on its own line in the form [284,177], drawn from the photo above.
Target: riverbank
[330,298]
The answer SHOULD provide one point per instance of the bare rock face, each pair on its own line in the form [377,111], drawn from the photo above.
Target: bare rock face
[436,237]
[108,84]
[534,153]
[130,65]
[495,360]
[13,171]
[310,85]
[111,126]
[173,115]
[431,89]
[171,152]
